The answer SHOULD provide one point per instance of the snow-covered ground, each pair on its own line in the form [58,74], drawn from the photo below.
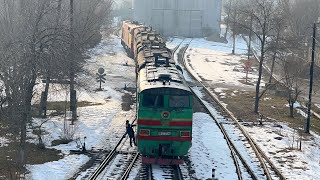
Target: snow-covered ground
[102,124]
[281,143]
[214,63]
[209,150]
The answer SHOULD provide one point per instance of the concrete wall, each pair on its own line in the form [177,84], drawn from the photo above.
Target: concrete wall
[179,17]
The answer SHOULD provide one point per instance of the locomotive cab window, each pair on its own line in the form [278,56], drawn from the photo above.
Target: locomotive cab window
[179,101]
[152,100]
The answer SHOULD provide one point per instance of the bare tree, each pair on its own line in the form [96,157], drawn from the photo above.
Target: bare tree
[300,22]
[77,28]
[263,13]
[227,7]
[35,37]
[291,70]
[277,39]
[86,18]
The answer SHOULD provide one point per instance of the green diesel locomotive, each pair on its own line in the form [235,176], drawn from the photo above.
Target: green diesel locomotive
[164,113]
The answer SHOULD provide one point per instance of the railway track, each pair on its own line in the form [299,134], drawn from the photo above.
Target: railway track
[105,162]
[264,161]
[133,156]
[130,166]
[177,172]
[235,153]
[146,172]
[170,172]
[128,163]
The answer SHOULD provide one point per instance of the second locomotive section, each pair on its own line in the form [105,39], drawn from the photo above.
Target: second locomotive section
[164,115]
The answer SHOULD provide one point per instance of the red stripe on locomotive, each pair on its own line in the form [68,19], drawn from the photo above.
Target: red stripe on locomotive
[149,122]
[174,123]
[164,138]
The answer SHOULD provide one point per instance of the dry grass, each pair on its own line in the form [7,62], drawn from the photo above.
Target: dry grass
[274,107]
[241,103]
[34,155]
[59,107]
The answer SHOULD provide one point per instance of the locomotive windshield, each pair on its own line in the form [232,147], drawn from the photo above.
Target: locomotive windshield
[161,97]
[151,100]
[179,101]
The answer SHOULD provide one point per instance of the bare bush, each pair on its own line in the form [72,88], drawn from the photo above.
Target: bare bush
[39,39]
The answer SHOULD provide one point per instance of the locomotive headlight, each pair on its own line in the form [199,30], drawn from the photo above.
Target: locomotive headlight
[184,133]
[144,132]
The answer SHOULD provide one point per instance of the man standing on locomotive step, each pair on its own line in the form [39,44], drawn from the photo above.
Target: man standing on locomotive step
[130,133]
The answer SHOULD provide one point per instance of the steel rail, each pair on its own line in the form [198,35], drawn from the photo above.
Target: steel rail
[258,153]
[149,169]
[176,48]
[106,161]
[128,170]
[177,172]
[233,149]
[255,55]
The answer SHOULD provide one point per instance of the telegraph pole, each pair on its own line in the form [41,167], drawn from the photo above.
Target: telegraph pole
[307,127]
[233,32]
[73,95]
[250,34]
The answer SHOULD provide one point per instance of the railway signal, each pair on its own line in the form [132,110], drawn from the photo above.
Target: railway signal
[247,67]
[101,77]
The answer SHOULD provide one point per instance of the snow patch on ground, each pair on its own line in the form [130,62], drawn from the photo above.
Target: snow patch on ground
[214,63]
[3,141]
[293,163]
[209,150]
[158,173]
[97,123]
[241,46]
[220,90]
[295,105]
[57,170]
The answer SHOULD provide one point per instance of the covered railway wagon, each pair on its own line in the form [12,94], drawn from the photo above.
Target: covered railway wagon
[164,115]
[127,37]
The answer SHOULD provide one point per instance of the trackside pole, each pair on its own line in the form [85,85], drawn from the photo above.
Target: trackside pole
[213,173]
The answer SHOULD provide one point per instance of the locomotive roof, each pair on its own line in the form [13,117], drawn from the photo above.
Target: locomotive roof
[165,73]
[151,77]
[132,25]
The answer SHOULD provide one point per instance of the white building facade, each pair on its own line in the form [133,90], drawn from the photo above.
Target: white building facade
[189,18]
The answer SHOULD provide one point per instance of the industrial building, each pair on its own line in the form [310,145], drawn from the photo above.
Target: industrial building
[189,18]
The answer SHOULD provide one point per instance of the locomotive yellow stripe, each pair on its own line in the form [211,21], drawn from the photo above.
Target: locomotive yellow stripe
[151,119]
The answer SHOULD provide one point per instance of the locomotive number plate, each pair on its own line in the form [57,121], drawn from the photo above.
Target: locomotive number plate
[164,133]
